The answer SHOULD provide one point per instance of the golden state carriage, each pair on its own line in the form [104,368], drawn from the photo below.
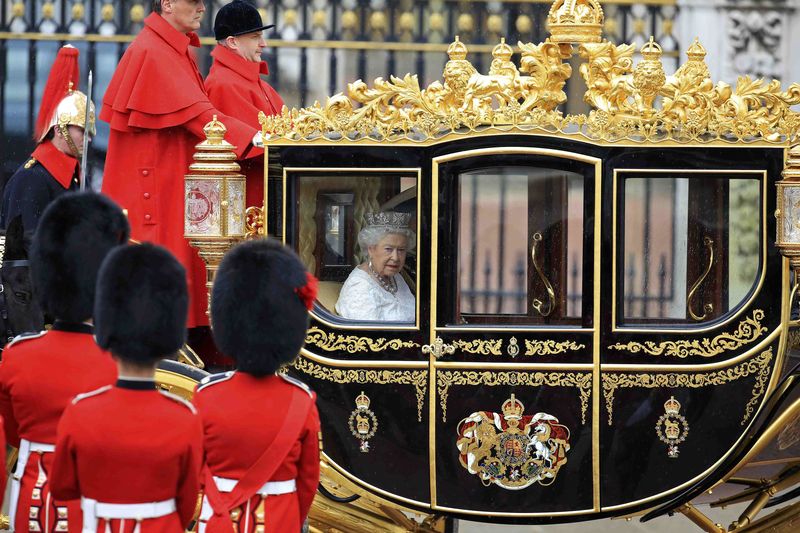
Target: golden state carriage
[603,301]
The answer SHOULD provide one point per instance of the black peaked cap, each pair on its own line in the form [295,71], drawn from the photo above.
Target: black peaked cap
[237,18]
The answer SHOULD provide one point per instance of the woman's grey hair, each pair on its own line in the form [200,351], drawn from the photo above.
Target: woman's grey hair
[372,235]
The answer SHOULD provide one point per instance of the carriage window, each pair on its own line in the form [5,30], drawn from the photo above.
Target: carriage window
[521,246]
[357,234]
[691,245]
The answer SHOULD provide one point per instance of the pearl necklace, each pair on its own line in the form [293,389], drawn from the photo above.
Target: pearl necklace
[389,286]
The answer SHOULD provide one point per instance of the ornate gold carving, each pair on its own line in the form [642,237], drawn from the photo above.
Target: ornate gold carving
[446,378]
[480,346]
[551,347]
[625,98]
[378,376]
[254,224]
[793,341]
[759,365]
[749,330]
[333,342]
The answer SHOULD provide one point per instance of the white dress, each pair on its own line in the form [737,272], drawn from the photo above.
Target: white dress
[362,298]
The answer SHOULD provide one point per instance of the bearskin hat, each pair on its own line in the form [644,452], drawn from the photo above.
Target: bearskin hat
[258,312]
[141,305]
[74,235]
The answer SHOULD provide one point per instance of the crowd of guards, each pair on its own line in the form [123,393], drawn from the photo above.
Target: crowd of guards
[102,447]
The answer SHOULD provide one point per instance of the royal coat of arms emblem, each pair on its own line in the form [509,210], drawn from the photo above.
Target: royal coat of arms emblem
[512,450]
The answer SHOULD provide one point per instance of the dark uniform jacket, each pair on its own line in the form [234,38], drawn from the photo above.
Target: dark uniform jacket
[45,176]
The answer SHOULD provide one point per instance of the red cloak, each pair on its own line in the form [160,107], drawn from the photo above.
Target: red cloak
[235,87]
[157,105]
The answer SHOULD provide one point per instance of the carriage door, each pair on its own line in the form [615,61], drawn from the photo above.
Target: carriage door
[513,335]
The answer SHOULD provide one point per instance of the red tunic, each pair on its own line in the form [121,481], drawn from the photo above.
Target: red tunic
[235,87]
[157,107]
[228,404]
[39,376]
[130,444]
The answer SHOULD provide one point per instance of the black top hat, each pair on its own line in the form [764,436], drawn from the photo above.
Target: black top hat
[237,18]
[141,303]
[74,236]
[259,318]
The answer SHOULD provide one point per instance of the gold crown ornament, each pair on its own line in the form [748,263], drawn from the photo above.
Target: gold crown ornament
[672,406]
[457,51]
[512,409]
[575,21]
[362,401]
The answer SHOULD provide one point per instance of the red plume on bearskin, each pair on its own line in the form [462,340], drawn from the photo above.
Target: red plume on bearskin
[65,70]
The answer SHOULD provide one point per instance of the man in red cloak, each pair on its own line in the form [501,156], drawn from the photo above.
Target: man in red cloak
[157,105]
[234,83]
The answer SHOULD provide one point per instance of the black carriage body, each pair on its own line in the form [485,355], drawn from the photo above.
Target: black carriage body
[608,362]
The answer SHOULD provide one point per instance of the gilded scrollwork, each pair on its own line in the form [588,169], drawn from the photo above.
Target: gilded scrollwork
[634,102]
[374,376]
[551,347]
[480,346]
[759,366]
[447,378]
[333,342]
[748,331]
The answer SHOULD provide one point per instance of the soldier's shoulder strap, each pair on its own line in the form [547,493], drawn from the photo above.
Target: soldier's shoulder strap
[25,337]
[90,394]
[214,379]
[297,383]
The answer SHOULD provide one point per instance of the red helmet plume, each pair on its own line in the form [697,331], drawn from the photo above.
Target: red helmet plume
[63,78]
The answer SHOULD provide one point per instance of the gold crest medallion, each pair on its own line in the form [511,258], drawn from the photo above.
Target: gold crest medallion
[672,427]
[362,422]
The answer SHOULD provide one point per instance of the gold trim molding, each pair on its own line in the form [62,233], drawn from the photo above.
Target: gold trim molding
[378,376]
[333,342]
[759,365]
[447,378]
[480,346]
[638,103]
[551,347]
[748,331]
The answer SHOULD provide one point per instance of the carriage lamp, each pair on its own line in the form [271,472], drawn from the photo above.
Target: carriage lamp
[214,199]
[788,211]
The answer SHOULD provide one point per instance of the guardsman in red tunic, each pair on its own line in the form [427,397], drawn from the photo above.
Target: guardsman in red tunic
[53,167]
[130,452]
[41,373]
[261,429]
[156,105]
[234,82]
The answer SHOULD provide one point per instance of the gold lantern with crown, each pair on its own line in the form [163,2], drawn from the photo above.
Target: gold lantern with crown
[214,199]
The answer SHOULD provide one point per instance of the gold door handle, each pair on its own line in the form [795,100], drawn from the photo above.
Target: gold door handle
[438,348]
[537,304]
[708,308]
